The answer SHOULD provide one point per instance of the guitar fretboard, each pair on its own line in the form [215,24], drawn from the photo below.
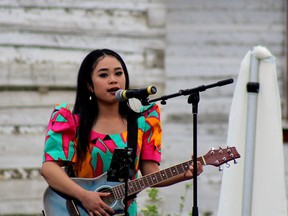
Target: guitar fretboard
[149,180]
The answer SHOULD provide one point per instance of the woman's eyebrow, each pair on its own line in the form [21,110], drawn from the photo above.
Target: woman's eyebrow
[118,68]
[106,69]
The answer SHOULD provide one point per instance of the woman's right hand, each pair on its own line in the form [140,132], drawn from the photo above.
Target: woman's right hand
[94,204]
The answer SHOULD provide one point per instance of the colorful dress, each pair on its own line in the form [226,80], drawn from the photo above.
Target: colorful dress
[61,143]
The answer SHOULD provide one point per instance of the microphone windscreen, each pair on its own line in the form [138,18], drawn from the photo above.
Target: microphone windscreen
[151,90]
[118,95]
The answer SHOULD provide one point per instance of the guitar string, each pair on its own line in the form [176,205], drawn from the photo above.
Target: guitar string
[117,192]
[162,175]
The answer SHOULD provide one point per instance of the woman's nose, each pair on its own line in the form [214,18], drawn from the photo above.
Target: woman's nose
[113,79]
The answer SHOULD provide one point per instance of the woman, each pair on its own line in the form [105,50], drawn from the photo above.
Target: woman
[85,139]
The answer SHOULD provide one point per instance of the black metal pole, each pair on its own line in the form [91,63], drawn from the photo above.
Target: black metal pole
[194,100]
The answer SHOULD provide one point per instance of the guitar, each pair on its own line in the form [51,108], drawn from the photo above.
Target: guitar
[56,203]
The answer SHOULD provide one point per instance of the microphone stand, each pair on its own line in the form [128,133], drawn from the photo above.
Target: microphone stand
[194,98]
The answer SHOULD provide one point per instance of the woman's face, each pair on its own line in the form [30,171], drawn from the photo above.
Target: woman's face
[107,77]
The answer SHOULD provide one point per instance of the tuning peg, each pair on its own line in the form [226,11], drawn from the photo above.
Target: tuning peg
[220,168]
[220,150]
[228,150]
[235,162]
[212,151]
[227,165]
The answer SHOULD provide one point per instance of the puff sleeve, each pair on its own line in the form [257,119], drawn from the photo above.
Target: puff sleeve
[152,136]
[61,135]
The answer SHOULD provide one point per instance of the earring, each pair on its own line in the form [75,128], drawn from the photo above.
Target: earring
[90,98]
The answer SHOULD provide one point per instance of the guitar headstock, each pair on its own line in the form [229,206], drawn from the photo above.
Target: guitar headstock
[217,157]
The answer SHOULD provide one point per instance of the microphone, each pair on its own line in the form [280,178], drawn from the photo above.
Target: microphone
[122,95]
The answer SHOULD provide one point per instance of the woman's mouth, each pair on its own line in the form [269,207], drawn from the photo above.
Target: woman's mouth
[113,90]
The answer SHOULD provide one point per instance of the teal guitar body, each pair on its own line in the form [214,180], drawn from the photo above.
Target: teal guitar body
[56,203]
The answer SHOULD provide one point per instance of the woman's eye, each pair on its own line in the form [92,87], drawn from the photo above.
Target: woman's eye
[103,75]
[119,73]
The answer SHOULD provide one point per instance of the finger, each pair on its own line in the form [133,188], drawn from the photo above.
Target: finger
[107,208]
[200,167]
[103,212]
[103,194]
[97,213]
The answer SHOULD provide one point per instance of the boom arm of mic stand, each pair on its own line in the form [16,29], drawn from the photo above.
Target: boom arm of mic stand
[203,87]
[190,91]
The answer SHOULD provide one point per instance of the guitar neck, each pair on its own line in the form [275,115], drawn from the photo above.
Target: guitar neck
[149,180]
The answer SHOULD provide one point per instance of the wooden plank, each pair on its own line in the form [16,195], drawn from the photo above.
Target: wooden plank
[191,72]
[236,50]
[22,144]
[79,21]
[41,98]
[82,41]
[21,151]
[252,15]
[38,74]
[34,116]
[21,196]
[224,4]
[88,4]
[35,67]
[23,162]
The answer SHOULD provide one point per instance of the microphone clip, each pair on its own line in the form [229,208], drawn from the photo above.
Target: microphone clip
[144,101]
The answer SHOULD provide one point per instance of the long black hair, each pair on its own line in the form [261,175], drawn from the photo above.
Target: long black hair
[88,109]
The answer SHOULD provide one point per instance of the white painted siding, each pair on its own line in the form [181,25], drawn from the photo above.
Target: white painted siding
[42,44]
[170,44]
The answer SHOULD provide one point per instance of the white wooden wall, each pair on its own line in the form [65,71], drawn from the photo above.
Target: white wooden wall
[170,44]
[42,44]
[206,42]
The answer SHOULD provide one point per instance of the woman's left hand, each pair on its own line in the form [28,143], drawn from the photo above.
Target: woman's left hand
[189,173]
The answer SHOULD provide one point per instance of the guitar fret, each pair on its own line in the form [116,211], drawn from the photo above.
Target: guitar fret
[180,169]
[158,177]
[122,190]
[146,181]
[163,175]
[153,178]
[185,167]
[115,192]
[169,173]
[173,170]
[119,190]
[150,180]
[141,183]
[131,188]
[138,185]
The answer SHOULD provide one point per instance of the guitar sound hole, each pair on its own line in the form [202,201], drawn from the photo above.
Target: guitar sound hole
[109,200]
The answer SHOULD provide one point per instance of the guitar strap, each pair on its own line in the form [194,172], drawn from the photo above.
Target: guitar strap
[132,139]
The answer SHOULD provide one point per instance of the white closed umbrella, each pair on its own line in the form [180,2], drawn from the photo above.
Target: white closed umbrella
[256,185]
